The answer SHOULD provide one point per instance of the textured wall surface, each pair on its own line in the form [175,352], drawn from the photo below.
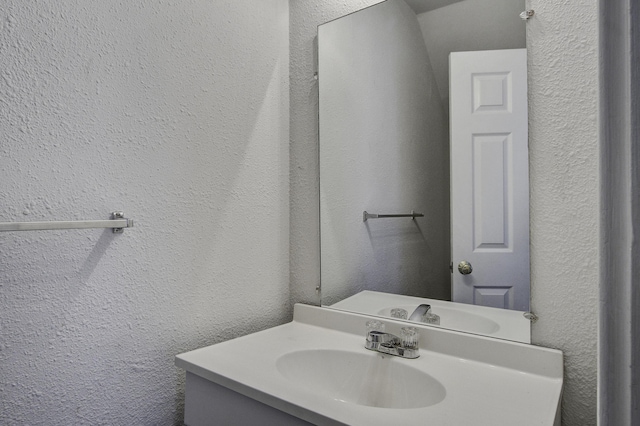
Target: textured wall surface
[383,149]
[176,113]
[305,16]
[563,145]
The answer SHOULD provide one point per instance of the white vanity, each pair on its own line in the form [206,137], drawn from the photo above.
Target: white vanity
[316,370]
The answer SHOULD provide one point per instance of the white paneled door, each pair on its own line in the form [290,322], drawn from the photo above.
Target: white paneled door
[490,178]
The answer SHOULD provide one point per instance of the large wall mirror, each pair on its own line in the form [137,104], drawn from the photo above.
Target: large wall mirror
[390,111]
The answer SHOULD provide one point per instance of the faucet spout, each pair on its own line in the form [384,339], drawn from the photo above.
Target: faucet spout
[420,312]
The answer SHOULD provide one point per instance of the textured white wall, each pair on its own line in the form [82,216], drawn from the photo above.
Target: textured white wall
[562,41]
[383,149]
[176,113]
[563,72]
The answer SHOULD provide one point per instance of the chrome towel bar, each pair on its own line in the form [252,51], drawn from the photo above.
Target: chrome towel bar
[117,222]
[366,216]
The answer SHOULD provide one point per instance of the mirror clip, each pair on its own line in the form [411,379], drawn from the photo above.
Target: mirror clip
[527,14]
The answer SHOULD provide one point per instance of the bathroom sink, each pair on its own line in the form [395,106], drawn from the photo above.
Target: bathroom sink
[316,370]
[362,378]
[456,319]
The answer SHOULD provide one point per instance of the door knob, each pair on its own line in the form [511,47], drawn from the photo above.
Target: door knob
[465,267]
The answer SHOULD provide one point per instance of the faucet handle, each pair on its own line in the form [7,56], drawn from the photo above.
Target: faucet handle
[375,325]
[410,337]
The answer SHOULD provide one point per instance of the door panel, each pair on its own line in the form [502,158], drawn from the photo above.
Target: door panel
[490,177]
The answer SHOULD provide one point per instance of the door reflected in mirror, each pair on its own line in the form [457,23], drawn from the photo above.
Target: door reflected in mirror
[435,195]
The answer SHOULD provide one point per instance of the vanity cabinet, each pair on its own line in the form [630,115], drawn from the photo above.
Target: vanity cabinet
[207,404]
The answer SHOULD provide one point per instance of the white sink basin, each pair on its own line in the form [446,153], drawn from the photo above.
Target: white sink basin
[362,378]
[454,319]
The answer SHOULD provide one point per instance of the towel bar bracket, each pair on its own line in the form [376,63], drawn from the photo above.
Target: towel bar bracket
[118,215]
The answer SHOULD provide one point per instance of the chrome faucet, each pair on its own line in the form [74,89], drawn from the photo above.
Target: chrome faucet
[419,312]
[423,314]
[390,344]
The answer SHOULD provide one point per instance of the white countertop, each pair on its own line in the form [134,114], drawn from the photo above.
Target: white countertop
[488,381]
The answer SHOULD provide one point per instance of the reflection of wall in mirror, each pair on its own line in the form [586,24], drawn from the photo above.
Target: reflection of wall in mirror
[468,26]
[383,149]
